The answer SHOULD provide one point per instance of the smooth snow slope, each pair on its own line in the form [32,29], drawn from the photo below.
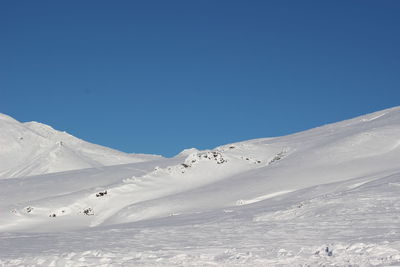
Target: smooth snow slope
[327,196]
[33,148]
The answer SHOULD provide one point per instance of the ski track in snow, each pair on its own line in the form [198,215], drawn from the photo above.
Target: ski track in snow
[329,196]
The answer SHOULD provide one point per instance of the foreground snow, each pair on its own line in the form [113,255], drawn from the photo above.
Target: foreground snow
[328,196]
[343,224]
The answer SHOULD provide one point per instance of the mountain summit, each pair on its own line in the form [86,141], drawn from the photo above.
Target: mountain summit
[33,148]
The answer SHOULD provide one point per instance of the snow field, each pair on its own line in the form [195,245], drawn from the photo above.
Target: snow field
[324,197]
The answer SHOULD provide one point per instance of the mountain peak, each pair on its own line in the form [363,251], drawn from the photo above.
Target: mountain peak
[4,117]
[33,148]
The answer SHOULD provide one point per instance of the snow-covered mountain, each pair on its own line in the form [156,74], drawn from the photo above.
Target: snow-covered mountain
[32,148]
[327,196]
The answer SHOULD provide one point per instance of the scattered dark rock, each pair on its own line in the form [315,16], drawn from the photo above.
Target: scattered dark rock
[328,251]
[211,155]
[277,157]
[100,194]
[88,211]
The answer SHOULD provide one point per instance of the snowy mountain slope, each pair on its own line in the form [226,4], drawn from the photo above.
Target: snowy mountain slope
[325,196]
[347,223]
[230,175]
[33,148]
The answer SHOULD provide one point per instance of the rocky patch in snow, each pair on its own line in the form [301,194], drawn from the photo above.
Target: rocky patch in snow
[278,157]
[215,156]
[101,194]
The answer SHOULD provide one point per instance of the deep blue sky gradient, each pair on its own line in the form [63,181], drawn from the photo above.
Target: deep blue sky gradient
[161,76]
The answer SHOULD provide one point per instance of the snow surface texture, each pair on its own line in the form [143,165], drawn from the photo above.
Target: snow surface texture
[32,148]
[329,196]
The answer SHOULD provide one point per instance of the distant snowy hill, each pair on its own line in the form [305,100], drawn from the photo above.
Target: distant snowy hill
[32,148]
[329,196]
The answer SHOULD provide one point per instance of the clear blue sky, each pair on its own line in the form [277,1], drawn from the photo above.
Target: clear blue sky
[161,76]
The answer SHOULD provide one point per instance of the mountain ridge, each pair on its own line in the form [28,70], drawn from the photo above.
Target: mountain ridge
[33,148]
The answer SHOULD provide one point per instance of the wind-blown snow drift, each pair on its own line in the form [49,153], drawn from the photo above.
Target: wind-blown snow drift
[329,195]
